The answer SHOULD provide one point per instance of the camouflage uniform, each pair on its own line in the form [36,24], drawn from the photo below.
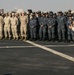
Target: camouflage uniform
[42,30]
[1,26]
[61,28]
[33,24]
[23,26]
[7,27]
[51,26]
[68,30]
[14,23]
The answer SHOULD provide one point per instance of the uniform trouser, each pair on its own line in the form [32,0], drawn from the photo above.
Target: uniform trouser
[42,32]
[23,31]
[28,31]
[69,32]
[33,32]
[1,31]
[61,31]
[14,31]
[18,30]
[73,35]
[7,31]
[51,33]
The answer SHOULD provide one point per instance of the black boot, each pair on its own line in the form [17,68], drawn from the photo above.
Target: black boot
[59,40]
[68,40]
[34,39]
[40,39]
[43,39]
[53,39]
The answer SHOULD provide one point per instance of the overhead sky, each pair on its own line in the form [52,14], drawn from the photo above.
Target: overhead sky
[43,5]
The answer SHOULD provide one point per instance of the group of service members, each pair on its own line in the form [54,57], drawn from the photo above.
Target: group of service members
[38,26]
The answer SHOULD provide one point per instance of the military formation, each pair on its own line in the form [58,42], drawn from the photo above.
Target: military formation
[37,26]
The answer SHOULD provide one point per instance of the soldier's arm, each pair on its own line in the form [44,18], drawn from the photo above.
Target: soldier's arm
[10,21]
[35,23]
[53,23]
[2,20]
[17,21]
[27,19]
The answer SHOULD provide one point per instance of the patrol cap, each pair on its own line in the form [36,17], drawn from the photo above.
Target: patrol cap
[60,12]
[69,10]
[43,13]
[47,13]
[39,12]
[50,13]
[65,12]
[29,10]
